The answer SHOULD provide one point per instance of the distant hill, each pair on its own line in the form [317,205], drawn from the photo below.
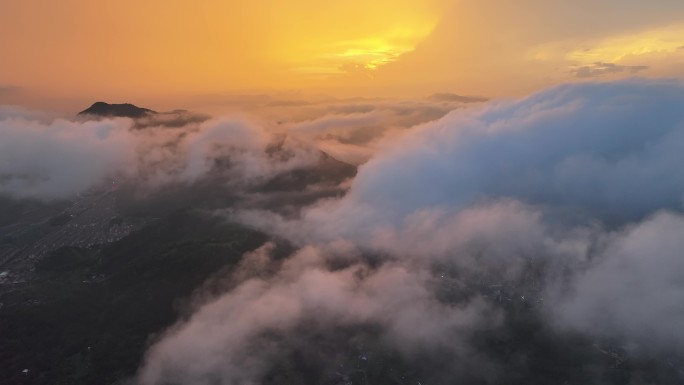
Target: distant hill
[125,110]
[449,97]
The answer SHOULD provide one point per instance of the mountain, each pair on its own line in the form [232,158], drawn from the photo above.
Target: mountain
[125,110]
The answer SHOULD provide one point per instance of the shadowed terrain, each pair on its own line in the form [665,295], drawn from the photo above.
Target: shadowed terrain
[125,110]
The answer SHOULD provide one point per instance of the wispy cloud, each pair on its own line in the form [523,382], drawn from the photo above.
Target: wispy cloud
[602,69]
[9,90]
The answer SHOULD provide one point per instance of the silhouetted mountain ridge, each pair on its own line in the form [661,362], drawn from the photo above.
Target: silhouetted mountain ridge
[125,110]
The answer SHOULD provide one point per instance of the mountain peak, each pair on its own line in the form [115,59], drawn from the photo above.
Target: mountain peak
[126,110]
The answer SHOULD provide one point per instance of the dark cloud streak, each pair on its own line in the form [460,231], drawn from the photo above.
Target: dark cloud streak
[603,69]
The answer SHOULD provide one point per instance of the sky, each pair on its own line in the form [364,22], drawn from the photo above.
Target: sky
[166,54]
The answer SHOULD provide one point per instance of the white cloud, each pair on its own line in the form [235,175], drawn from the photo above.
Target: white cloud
[634,290]
[234,338]
[51,158]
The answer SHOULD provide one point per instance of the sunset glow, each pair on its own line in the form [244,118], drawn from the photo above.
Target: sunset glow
[162,47]
[319,192]
[169,51]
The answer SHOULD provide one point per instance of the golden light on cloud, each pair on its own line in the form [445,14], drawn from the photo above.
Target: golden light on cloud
[354,56]
[615,49]
[372,53]
[648,52]
[662,41]
[372,57]
[362,52]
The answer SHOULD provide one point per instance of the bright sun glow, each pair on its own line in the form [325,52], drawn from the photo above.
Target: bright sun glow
[371,54]
[362,55]
[371,58]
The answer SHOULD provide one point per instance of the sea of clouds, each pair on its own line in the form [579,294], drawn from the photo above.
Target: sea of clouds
[570,198]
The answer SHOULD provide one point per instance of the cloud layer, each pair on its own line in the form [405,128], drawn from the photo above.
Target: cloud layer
[53,158]
[609,151]
[237,338]
[560,213]
[634,290]
[566,204]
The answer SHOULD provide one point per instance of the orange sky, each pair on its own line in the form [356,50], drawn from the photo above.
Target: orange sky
[66,53]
